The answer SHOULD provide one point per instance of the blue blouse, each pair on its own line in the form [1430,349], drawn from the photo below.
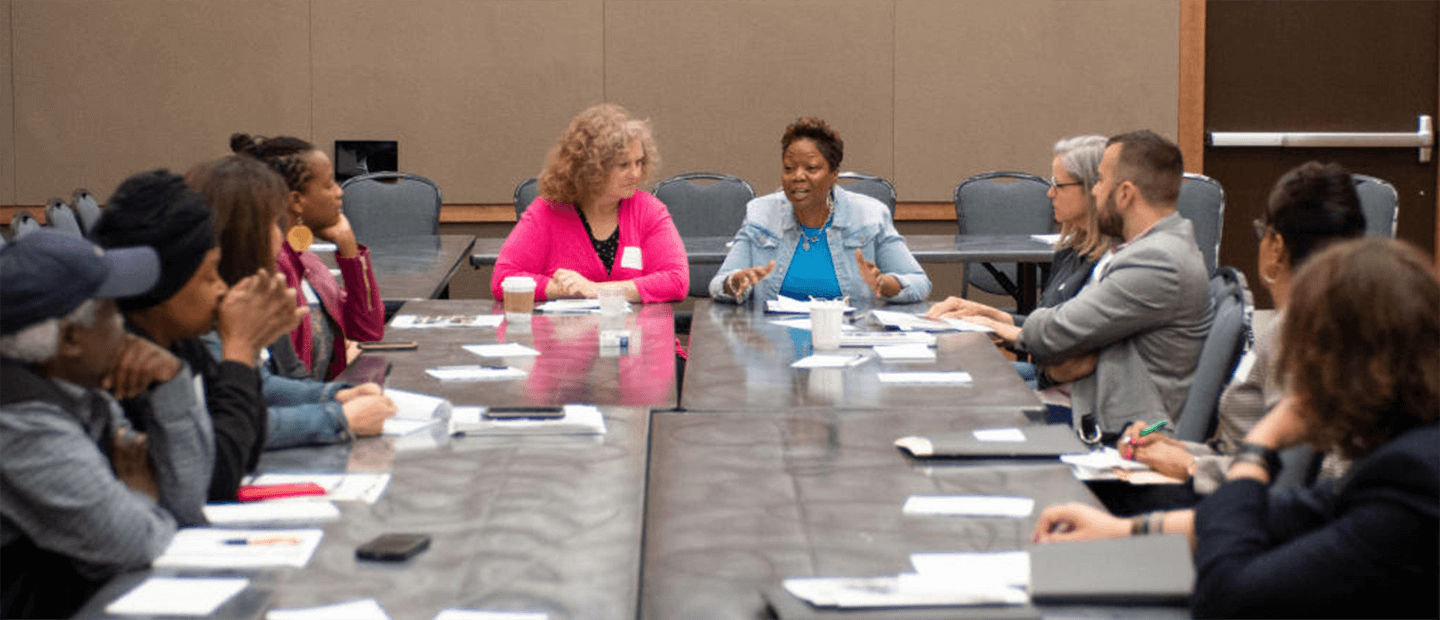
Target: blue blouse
[812,271]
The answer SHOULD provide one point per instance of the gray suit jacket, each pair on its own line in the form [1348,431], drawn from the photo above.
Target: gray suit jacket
[1147,317]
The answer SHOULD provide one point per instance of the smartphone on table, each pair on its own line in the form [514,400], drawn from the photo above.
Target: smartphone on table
[393,547]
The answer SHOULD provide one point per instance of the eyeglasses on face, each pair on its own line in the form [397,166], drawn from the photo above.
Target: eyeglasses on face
[1057,185]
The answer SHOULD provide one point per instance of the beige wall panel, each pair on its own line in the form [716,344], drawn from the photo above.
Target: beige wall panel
[106,89]
[7,109]
[721,80]
[475,91]
[988,85]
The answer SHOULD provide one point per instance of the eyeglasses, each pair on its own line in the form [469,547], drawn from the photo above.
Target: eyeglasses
[1260,227]
[1057,185]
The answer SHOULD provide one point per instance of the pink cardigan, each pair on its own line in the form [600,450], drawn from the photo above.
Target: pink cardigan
[356,308]
[550,236]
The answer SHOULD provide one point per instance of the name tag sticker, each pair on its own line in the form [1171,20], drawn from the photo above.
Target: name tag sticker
[630,258]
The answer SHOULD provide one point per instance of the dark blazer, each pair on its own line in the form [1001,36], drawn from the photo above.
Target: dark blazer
[1364,546]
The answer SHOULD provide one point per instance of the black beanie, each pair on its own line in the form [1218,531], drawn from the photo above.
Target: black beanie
[157,209]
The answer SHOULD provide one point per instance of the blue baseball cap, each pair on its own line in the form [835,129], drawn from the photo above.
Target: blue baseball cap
[47,274]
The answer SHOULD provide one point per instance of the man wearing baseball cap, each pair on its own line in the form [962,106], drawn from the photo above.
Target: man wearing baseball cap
[83,496]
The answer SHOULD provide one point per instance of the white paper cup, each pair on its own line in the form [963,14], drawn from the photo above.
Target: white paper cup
[825,318]
[519,292]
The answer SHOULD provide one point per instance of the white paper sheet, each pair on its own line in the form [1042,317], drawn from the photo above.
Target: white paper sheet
[960,325]
[203,547]
[578,420]
[359,609]
[356,487]
[951,377]
[905,590]
[822,360]
[1010,568]
[1104,458]
[475,373]
[288,510]
[905,352]
[508,349]
[415,406]
[399,427]
[570,306]
[969,505]
[480,614]
[906,321]
[177,596]
[857,338]
[790,305]
[417,321]
[1051,239]
[1010,434]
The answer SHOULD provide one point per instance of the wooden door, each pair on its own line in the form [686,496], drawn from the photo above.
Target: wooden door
[1319,66]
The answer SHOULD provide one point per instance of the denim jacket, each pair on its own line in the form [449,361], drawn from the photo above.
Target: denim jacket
[770,232]
[302,411]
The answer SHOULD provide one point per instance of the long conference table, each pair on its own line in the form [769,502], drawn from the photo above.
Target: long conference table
[689,512]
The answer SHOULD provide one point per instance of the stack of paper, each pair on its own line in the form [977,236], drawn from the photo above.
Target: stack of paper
[475,373]
[1100,464]
[359,609]
[578,420]
[789,305]
[357,487]
[953,377]
[570,306]
[413,411]
[969,506]
[203,547]
[416,321]
[904,590]
[292,510]
[177,596]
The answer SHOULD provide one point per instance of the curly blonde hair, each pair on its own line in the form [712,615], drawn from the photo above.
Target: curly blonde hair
[579,164]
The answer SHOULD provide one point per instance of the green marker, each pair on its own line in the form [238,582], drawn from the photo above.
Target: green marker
[1154,427]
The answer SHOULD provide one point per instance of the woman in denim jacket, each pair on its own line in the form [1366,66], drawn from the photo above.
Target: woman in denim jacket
[813,239]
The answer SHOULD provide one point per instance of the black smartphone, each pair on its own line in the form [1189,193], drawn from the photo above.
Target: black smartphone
[389,346]
[393,547]
[527,413]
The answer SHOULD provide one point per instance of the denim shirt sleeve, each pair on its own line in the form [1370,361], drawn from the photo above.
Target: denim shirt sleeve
[870,229]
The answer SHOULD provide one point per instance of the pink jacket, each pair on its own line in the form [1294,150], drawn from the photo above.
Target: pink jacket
[356,308]
[549,236]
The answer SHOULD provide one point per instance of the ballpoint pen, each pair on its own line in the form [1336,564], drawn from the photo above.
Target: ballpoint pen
[1154,427]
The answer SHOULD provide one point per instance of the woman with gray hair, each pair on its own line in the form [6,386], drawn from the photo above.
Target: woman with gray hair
[1074,170]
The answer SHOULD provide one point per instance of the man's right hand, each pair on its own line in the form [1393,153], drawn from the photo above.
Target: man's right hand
[254,313]
[367,414]
[141,364]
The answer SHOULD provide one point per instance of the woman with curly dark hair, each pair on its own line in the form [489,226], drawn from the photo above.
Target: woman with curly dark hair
[1360,352]
[591,226]
[819,240]
[337,314]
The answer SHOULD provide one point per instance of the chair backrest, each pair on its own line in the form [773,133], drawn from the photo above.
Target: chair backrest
[1218,355]
[1001,203]
[391,204]
[86,209]
[60,218]
[705,204]
[870,185]
[1202,201]
[525,193]
[1380,203]
[22,223]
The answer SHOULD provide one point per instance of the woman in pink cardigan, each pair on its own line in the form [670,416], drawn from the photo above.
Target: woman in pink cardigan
[591,226]
[354,312]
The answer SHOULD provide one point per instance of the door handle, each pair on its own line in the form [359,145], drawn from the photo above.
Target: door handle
[1422,138]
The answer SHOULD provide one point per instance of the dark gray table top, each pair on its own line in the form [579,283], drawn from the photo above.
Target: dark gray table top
[925,248]
[414,267]
[738,502]
[547,524]
[740,361]
[571,367]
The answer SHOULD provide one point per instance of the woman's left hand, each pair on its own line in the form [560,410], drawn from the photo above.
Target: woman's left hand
[342,236]
[574,284]
[878,282]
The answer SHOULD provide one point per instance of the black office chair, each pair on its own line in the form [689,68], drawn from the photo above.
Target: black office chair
[60,218]
[1202,201]
[391,204]
[1001,203]
[525,193]
[1223,345]
[870,185]
[705,204]
[1379,202]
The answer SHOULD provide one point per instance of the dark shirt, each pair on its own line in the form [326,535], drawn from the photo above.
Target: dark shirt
[1364,546]
[1068,273]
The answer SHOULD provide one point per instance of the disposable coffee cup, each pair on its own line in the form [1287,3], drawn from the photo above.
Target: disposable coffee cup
[612,300]
[825,318]
[519,294]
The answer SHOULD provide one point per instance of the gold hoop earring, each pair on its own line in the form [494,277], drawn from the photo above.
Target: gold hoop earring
[299,236]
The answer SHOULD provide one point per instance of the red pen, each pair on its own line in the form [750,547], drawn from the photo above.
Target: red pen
[256,492]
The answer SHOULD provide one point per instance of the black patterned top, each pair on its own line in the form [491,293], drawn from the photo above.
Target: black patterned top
[605,248]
